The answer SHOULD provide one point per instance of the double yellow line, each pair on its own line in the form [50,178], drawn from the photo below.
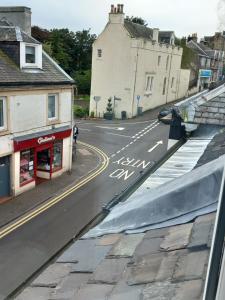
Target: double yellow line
[44,207]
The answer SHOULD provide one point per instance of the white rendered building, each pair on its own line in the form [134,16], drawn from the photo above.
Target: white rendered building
[136,67]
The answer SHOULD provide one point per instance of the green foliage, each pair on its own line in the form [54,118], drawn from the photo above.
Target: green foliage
[92,114]
[137,20]
[80,112]
[83,81]
[109,106]
[71,50]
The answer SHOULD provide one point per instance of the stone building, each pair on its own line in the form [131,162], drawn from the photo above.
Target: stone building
[136,66]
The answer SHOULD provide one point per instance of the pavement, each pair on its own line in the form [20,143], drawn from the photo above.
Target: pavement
[86,160]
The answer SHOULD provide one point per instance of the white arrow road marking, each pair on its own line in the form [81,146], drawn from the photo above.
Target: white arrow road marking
[112,128]
[156,145]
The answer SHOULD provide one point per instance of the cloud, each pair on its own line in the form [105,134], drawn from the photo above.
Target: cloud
[184,17]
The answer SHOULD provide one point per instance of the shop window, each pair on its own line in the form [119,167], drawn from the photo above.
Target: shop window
[52,107]
[26,166]
[3,113]
[57,155]
[30,55]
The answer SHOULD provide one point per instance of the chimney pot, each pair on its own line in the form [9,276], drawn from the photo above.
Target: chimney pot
[121,8]
[112,9]
[115,10]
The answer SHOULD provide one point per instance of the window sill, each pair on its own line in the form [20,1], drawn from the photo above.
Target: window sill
[148,94]
[4,132]
[53,121]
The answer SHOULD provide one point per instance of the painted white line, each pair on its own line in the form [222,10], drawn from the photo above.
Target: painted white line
[113,155]
[155,146]
[112,128]
[118,151]
[84,129]
[119,134]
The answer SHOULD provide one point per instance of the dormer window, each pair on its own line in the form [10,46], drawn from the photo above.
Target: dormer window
[30,55]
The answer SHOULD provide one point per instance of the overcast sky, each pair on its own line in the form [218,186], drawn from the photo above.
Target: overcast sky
[182,16]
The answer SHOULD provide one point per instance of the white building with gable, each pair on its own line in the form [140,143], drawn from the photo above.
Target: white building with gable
[139,68]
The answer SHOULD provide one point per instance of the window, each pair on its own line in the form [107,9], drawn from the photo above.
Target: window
[3,113]
[52,107]
[99,53]
[30,55]
[149,83]
[172,82]
[57,155]
[159,60]
[26,166]
[164,86]
[167,62]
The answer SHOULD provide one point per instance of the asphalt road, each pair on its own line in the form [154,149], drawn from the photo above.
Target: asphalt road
[132,147]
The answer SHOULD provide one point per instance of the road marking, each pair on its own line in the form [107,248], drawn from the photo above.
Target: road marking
[8,229]
[119,134]
[155,146]
[84,129]
[112,128]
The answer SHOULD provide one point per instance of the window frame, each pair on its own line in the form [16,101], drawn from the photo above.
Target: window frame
[149,83]
[164,85]
[4,100]
[159,60]
[35,54]
[56,117]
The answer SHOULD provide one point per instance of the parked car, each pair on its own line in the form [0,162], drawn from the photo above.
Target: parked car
[165,115]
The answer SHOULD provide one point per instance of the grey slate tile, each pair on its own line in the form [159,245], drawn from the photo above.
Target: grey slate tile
[86,253]
[159,291]
[124,292]
[156,233]
[94,292]
[110,271]
[69,286]
[109,239]
[34,293]
[189,290]
[52,275]
[145,269]
[178,237]
[148,246]
[126,245]
[191,266]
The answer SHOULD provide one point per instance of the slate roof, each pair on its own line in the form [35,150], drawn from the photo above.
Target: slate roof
[138,31]
[167,263]
[211,112]
[11,74]
[195,46]
[14,34]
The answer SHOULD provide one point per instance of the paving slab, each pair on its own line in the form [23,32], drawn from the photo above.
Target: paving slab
[86,255]
[145,269]
[126,246]
[178,237]
[52,275]
[34,293]
[94,291]
[124,292]
[69,286]
[110,271]
[191,266]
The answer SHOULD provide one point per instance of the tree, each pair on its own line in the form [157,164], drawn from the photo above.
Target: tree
[83,81]
[40,34]
[137,20]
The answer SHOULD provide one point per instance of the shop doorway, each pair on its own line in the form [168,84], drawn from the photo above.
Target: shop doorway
[43,163]
[4,177]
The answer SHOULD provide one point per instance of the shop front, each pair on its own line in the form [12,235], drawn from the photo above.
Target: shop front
[39,157]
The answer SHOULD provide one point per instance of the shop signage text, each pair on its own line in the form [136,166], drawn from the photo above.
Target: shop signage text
[46,139]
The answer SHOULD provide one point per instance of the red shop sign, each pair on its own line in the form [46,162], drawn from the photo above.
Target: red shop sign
[41,140]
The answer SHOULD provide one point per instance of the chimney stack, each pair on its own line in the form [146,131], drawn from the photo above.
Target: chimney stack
[116,14]
[17,15]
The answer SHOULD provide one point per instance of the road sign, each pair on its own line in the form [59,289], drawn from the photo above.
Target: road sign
[138,97]
[97,98]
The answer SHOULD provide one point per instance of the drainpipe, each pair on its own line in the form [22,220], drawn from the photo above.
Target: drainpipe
[168,83]
[135,80]
[71,137]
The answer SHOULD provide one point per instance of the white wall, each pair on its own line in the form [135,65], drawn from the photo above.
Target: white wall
[6,145]
[123,68]
[112,74]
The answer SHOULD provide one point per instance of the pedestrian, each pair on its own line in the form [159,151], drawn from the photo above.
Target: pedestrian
[75,133]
